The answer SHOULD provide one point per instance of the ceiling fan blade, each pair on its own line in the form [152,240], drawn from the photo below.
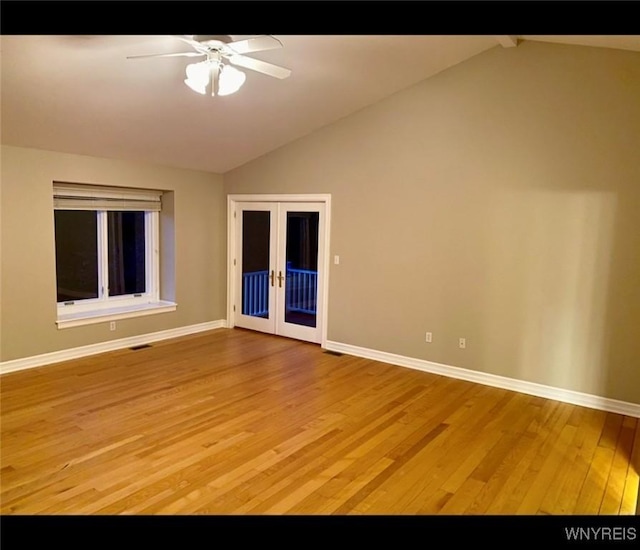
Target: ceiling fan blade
[182,54]
[258,66]
[258,44]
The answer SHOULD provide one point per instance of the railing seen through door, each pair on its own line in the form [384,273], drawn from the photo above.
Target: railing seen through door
[301,289]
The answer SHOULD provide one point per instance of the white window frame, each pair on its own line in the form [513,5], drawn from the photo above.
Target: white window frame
[107,308]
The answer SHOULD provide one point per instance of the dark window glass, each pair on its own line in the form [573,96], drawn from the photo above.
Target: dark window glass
[126,242]
[255,263]
[76,233]
[302,268]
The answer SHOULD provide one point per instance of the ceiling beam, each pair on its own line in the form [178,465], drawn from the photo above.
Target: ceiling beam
[507,41]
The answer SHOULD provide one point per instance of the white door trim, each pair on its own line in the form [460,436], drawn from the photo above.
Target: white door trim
[258,323]
[232,230]
[292,329]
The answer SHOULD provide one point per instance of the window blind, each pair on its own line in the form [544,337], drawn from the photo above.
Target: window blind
[71,196]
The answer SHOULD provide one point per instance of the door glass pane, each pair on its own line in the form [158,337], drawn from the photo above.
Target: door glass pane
[126,243]
[76,254]
[302,268]
[256,226]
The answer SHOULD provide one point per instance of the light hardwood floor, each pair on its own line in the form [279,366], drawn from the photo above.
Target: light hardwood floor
[234,422]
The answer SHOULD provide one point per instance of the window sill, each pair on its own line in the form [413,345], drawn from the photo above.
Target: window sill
[113,314]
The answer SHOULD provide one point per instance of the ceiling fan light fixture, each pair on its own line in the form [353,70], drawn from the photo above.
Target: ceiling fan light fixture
[198,76]
[213,75]
[231,79]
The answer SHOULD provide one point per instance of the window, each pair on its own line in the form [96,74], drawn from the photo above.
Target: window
[107,253]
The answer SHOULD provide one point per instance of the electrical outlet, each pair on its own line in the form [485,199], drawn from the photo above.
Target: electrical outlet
[112,325]
[428,337]
[462,342]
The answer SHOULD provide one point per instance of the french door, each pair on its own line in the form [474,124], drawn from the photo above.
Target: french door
[279,268]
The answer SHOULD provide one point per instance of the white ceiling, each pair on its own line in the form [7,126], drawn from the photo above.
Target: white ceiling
[79,94]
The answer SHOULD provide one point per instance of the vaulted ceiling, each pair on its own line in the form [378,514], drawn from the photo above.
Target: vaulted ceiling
[80,94]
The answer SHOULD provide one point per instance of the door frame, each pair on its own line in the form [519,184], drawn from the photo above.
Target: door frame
[232,227]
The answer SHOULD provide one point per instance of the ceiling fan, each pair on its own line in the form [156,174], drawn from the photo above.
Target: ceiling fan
[215,73]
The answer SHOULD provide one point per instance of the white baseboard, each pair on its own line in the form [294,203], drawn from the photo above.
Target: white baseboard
[111,345]
[522,386]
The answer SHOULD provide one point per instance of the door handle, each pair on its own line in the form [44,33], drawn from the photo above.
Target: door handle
[280,278]
[273,273]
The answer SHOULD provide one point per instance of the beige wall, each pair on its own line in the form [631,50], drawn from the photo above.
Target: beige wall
[497,201]
[28,277]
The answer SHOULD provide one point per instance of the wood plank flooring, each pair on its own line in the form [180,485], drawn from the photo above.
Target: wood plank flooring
[235,422]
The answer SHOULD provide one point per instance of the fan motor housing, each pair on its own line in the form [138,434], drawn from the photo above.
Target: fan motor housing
[213,39]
